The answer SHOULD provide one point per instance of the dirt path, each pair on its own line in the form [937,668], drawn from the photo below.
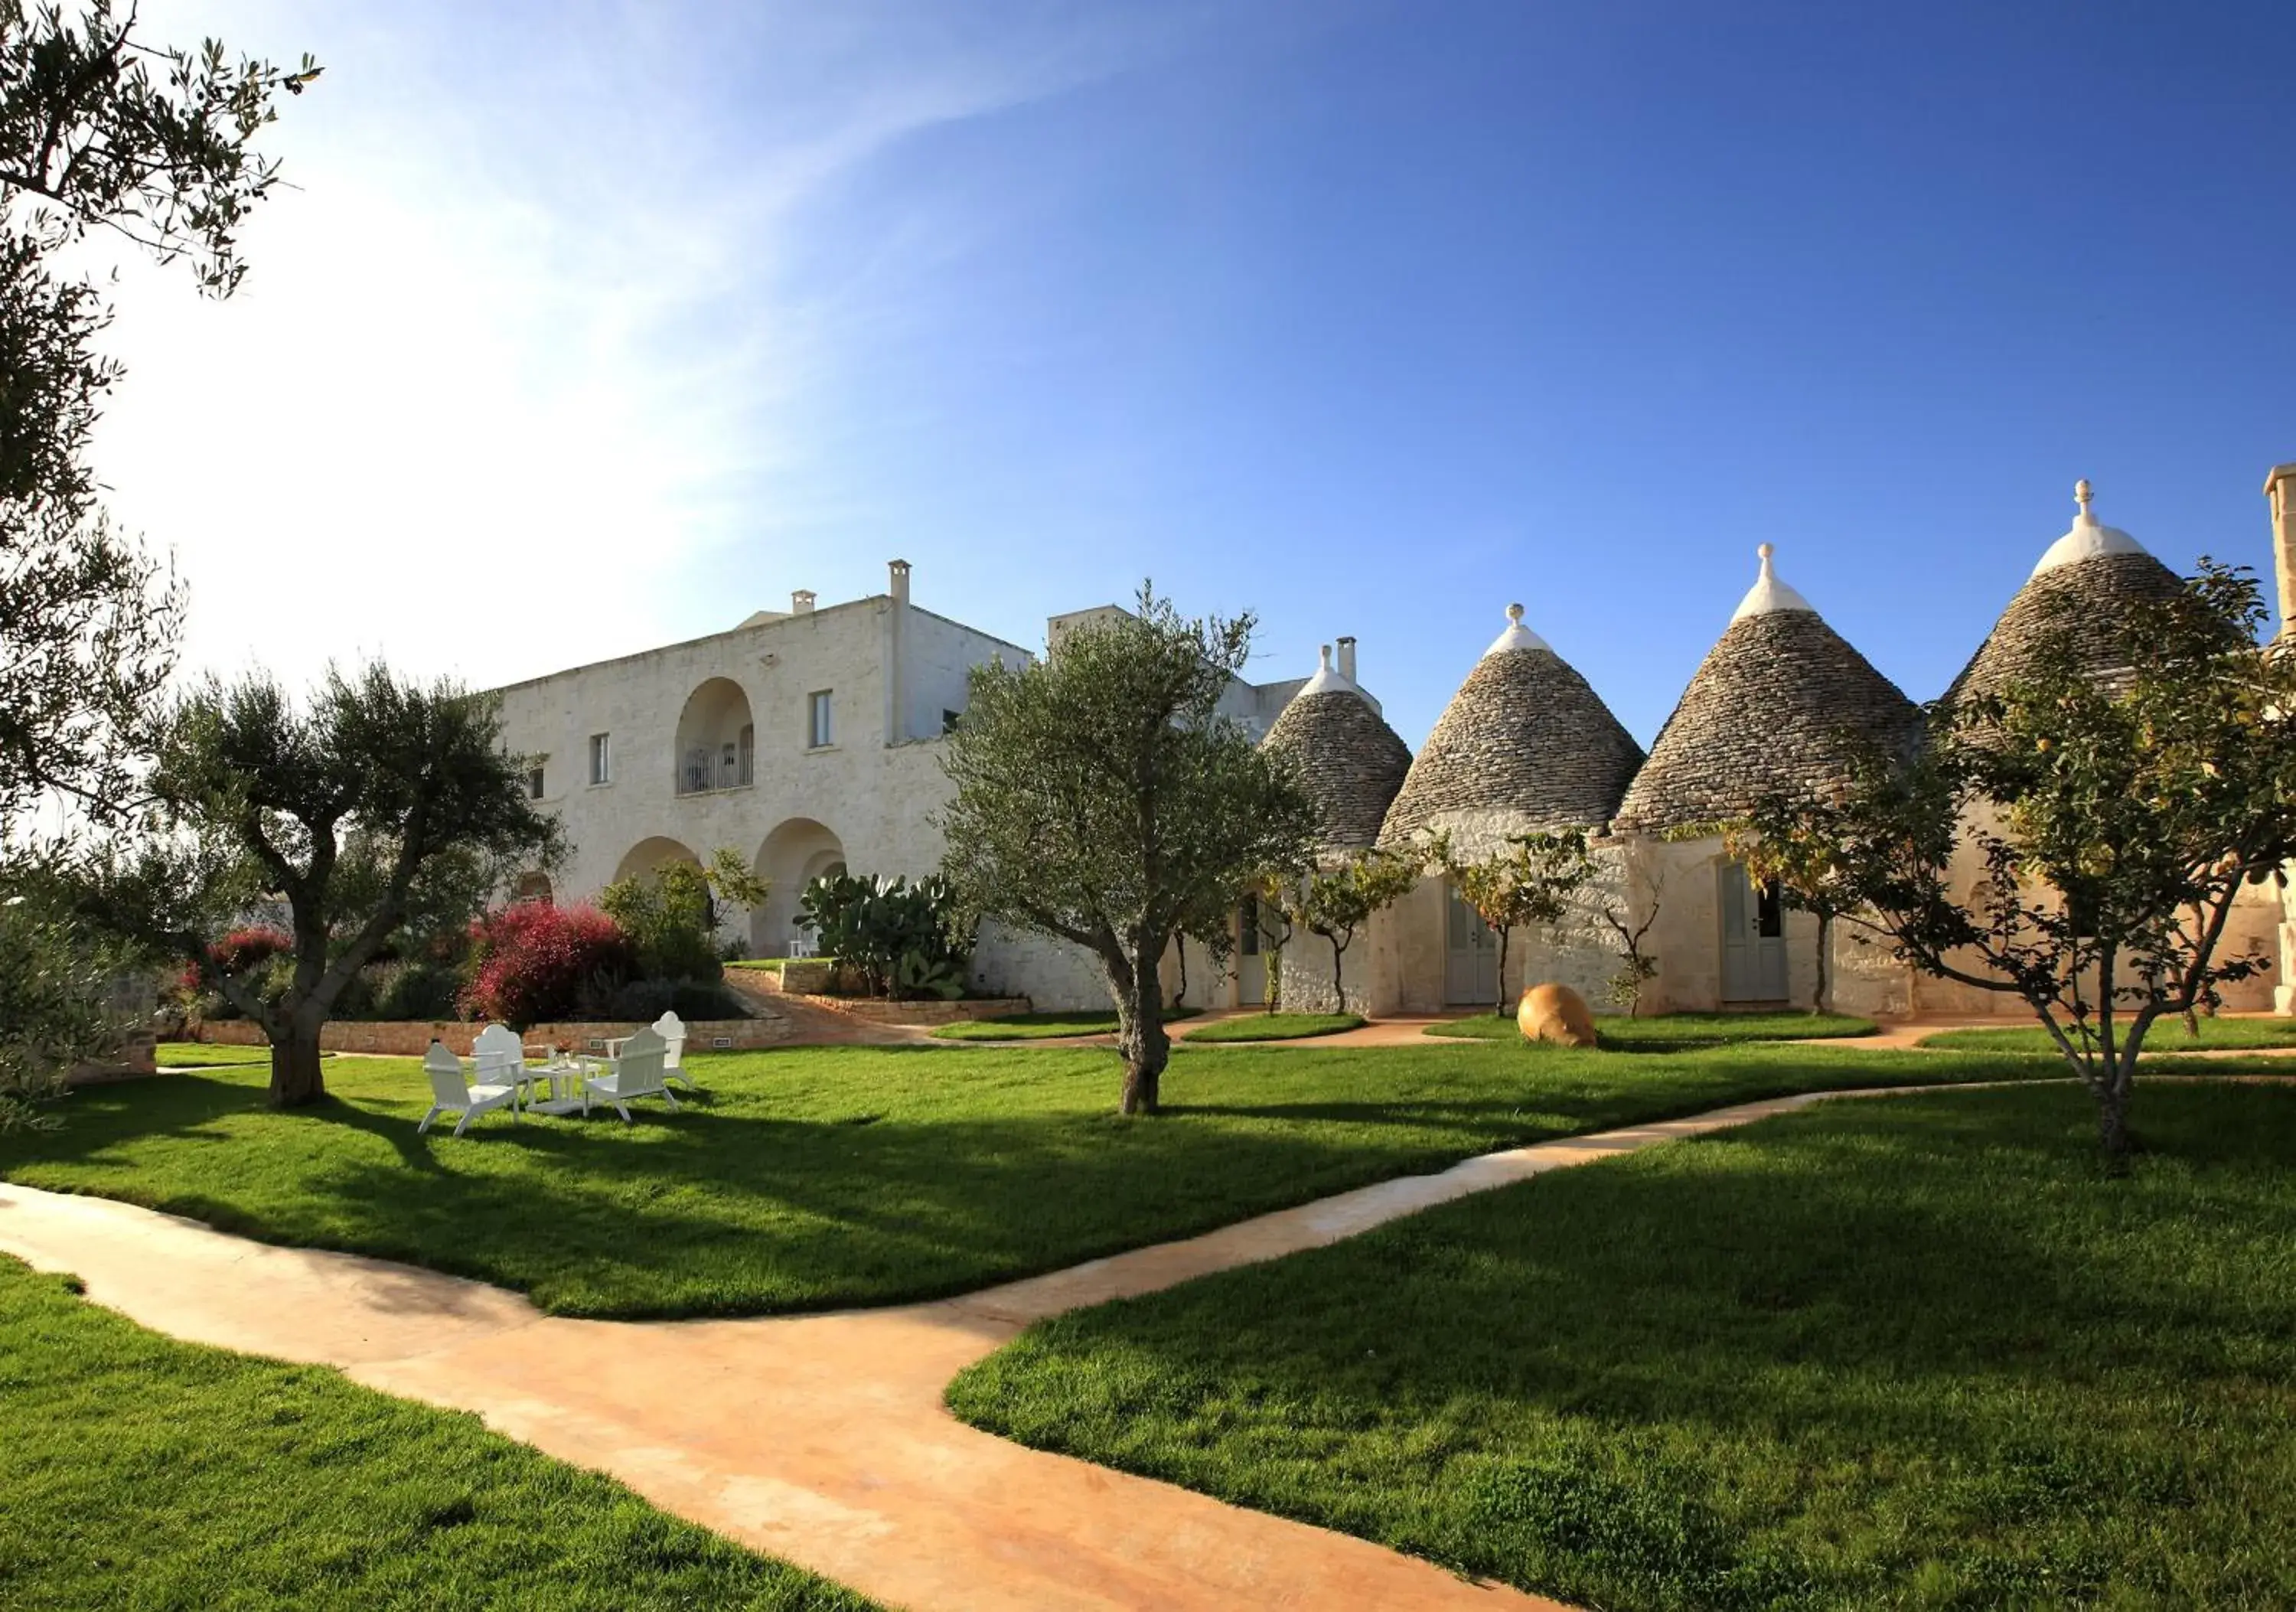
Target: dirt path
[820,1439]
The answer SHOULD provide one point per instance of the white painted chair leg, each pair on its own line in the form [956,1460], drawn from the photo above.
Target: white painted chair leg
[623,1109]
[463,1124]
[427,1118]
[670,1099]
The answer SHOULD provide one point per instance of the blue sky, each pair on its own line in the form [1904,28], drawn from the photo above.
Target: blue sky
[591,326]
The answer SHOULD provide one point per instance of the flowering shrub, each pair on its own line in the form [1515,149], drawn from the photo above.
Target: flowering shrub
[244,949]
[533,962]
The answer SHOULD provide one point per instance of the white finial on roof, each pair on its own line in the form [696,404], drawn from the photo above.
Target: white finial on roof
[1516,636]
[1769,597]
[2087,539]
[1327,677]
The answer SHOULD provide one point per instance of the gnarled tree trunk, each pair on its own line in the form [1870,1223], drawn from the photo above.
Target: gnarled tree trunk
[295,1077]
[1140,1038]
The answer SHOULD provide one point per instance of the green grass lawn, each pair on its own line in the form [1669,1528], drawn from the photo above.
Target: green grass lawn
[1915,1352]
[2166,1035]
[1275,1027]
[1670,1030]
[1043,1026]
[210,1055]
[814,1177]
[144,1473]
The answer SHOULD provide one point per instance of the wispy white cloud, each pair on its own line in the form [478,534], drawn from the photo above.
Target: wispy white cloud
[521,352]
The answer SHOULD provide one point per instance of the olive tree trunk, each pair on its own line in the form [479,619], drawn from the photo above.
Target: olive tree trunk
[1140,1038]
[295,1077]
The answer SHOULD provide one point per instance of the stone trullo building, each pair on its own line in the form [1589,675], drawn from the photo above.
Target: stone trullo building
[808,739]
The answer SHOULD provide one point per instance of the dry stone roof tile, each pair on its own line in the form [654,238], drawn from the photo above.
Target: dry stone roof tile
[1783,703]
[1350,760]
[1525,739]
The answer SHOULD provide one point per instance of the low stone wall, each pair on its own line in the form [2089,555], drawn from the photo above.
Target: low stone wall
[135,1060]
[798,976]
[880,1012]
[412,1038]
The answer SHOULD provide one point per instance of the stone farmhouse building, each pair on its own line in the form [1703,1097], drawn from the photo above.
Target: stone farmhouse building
[810,740]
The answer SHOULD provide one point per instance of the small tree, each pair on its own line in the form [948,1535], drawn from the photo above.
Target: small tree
[671,914]
[1612,912]
[1336,900]
[379,802]
[1534,881]
[2113,820]
[1101,799]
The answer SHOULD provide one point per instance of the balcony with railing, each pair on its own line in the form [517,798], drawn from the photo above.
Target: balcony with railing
[716,745]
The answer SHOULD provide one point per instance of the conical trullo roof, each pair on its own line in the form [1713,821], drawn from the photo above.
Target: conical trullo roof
[1350,760]
[1525,745]
[2083,588]
[1781,703]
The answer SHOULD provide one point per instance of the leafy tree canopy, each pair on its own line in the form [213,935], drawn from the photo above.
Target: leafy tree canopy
[99,133]
[378,805]
[1101,799]
[2109,825]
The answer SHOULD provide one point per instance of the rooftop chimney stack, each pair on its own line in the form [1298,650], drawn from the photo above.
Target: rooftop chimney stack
[1348,659]
[802,602]
[2280,493]
[897,640]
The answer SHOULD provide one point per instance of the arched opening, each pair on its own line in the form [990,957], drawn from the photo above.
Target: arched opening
[716,743]
[532,887]
[794,854]
[647,855]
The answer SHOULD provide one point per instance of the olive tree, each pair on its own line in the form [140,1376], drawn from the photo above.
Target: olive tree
[1101,799]
[2111,822]
[377,802]
[101,133]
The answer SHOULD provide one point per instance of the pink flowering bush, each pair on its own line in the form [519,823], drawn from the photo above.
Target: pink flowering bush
[533,962]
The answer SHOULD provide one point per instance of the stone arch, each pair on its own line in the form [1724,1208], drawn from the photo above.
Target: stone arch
[797,851]
[647,855]
[716,741]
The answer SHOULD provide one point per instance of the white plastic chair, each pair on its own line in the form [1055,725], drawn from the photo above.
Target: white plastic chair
[499,1058]
[636,1072]
[450,1093]
[672,1031]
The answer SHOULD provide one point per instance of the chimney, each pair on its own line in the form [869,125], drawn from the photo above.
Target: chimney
[802,602]
[1348,659]
[896,639]
[2280,493]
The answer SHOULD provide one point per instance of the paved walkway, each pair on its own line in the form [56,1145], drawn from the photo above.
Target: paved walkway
[820,1439]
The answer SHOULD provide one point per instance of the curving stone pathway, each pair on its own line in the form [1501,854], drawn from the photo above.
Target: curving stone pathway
[819,1439]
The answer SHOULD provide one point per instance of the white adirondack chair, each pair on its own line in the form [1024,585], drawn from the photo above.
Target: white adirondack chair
[450,1093]
[672,1031]
[636,1073]
[498,1057]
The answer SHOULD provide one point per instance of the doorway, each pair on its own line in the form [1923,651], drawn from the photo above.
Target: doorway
[1753,939]
[1471,956]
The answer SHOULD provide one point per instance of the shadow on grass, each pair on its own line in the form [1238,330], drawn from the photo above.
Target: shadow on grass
[807,1180]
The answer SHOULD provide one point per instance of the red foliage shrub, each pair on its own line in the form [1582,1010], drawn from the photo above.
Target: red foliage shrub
[241,951]
[533,960]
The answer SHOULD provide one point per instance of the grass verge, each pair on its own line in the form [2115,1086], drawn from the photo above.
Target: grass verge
[1044,1026]
[1678,1030]
[141,1472]
[2166,1036]
[817,1177]
[210,1055]
[1911,1351]
[1274,1027]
